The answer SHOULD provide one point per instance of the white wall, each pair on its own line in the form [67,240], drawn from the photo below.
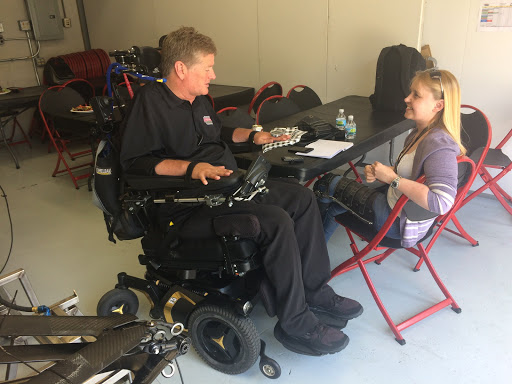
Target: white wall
[330,45]
[20,73]
[482,62]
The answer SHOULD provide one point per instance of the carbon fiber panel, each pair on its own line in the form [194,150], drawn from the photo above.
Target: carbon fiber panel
[60,325]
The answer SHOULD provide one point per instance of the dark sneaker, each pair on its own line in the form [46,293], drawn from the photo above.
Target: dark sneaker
[341,308]
[322,340]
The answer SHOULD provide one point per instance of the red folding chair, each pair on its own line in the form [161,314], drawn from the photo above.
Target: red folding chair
[55,102]
[378,242]
[494,159]
[275,108]
[270,89]
[476,136]
[304,97]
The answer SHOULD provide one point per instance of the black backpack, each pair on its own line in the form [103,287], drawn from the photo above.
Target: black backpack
[396,67]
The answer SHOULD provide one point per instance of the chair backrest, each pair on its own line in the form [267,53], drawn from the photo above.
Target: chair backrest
[83,87]
[270,89]
[59,99]
[210,99]
[476,133]
[304,97]
[233,117]
[476,130]
[274,108]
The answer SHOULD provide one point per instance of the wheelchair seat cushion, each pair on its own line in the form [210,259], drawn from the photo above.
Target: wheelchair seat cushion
[241,225]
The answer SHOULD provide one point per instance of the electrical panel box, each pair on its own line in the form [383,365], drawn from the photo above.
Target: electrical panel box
[46,19]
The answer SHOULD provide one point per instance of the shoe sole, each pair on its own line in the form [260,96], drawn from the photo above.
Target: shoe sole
[295,346]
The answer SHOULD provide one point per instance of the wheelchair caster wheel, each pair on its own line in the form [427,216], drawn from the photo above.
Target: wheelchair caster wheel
[226,341]
[269,367]
[118,301]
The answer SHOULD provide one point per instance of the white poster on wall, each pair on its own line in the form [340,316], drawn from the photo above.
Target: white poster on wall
[495,16]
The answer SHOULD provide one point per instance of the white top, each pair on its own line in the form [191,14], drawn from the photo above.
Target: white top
[404,170]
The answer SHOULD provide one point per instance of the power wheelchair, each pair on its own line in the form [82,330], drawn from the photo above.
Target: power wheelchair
[205,276]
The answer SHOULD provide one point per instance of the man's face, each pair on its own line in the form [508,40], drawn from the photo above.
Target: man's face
[198,75]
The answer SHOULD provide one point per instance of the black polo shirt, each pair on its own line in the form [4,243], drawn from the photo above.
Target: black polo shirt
[159,126]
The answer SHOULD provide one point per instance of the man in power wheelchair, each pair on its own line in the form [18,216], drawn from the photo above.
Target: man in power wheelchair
[172,130]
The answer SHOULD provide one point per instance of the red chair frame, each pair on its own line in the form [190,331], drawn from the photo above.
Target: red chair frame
[60,143]
[460,231]
[252,105]
[492,182]
[300,101]
[358,261]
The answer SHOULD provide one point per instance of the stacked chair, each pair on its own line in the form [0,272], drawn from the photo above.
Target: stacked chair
[304,97]
[274,108]
[270,89]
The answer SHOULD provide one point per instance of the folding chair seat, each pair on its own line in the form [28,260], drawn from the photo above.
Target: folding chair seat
[305,98]
[274,108]
[270,89]
[54,104]
[378,242]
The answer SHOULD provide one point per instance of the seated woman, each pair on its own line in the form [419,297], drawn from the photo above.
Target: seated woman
[431,149]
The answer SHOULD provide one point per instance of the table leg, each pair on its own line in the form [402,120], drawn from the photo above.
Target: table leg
[4,138]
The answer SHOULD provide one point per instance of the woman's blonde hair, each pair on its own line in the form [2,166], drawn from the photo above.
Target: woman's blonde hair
[449,116]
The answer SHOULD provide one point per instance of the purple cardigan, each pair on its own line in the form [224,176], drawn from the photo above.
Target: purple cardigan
[436,157]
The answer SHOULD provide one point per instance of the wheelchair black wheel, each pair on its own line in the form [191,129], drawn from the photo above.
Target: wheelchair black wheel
[227,341]
[118,301]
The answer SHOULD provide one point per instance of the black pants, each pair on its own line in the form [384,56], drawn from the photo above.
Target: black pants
[295,254]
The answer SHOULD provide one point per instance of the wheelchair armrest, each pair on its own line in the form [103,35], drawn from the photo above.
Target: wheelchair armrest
[157,182]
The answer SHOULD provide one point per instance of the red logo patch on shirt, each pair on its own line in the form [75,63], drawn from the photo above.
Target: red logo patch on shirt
[208,120]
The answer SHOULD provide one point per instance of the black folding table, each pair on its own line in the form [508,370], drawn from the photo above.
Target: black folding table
[374,128]
[14,103]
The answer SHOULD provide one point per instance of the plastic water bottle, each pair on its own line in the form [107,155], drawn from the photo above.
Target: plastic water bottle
[350,128]
[341,120]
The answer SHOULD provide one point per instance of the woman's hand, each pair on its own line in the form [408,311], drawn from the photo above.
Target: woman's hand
[383,173]
[203,171]
[369,174]
[263,137]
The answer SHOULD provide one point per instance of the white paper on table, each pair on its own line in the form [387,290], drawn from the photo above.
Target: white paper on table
[326,149]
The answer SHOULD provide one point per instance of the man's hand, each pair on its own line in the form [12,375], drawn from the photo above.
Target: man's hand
[266,138]
[382,172]
[203,171]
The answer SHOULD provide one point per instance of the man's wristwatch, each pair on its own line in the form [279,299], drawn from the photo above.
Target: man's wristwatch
[394,184]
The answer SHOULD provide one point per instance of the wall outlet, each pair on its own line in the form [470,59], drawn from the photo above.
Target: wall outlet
[66,22]
[2,41]
[40,61]
[24,25]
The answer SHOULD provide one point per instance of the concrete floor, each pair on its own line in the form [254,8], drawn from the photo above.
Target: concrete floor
[61,241]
